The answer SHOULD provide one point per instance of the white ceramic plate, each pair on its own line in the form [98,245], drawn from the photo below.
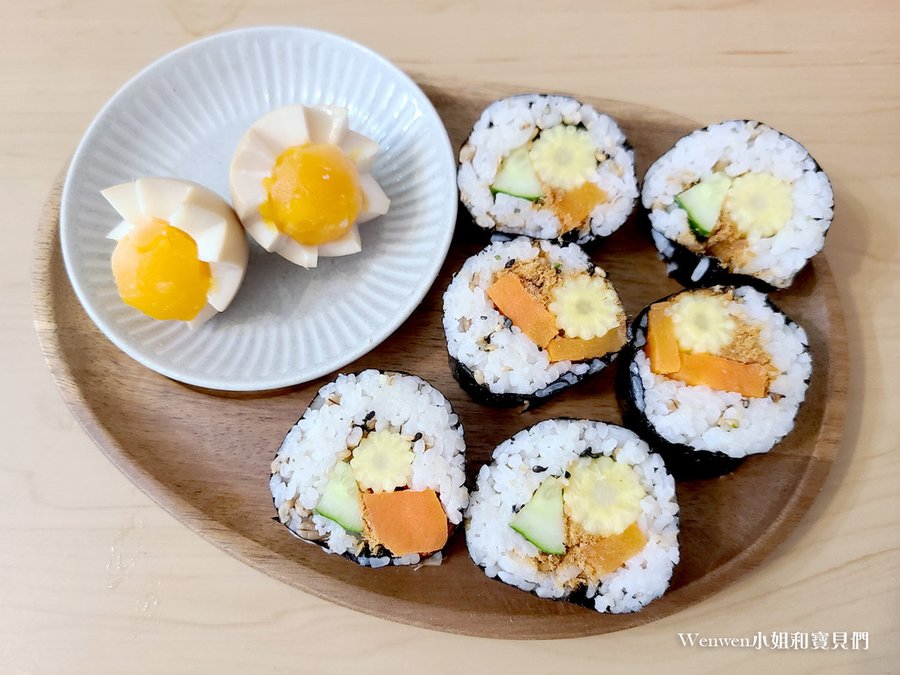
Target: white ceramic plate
[182,117]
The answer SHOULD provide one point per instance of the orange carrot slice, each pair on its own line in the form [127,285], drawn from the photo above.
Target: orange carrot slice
[747,379]
[577,349]
[662,347]
[523,309]
[607,554]
[408,521]
[574,207]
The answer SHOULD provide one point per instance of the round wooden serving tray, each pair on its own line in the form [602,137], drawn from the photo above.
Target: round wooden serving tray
[205,456]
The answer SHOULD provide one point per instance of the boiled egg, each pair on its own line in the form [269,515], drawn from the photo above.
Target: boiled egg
[181,252]
[300,183]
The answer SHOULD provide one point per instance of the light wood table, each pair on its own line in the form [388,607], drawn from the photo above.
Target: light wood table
[94,577]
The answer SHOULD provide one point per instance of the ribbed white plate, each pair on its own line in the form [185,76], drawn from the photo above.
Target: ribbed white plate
[182,117]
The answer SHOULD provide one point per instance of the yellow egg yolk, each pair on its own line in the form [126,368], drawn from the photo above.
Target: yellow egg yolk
[158,272]
[314,195]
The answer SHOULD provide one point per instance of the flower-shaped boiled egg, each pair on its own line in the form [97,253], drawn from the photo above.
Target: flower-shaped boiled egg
[181,252]
[300,183]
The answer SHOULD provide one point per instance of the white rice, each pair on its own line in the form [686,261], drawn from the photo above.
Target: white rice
[738,147]
[511,363]
[330,429]
[510,123]
[509,482]
[721,421]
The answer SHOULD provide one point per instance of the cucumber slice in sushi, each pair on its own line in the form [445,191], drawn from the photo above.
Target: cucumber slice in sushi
[340,500]
[517,177]
[541,520]
[703,203]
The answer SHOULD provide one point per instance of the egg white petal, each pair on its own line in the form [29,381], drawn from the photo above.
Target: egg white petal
[263,234]
[253,157]
[247,193]
[274,241]
[211,201]
[218,239]
[280,129]
[205,315]
[349,244]
[123,198]
[327,124]
[160,198]
[362,150]
[206,228]
[375,202]
[305,256]
[120,230]
[219,235]
[227,279]
[235,249]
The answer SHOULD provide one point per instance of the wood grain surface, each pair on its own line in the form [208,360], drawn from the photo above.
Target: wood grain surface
[98,578]
[205,455]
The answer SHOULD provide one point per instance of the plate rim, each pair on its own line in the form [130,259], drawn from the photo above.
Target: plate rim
[299,376]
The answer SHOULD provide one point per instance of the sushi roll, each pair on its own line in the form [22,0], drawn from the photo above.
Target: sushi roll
[576,510]
[547,167]
[525,319]
[712,376]
[737,203]
[374,470]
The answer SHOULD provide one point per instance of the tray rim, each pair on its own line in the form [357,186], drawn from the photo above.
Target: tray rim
[317,583]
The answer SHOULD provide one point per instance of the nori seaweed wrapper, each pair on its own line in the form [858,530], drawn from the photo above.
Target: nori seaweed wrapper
[482,394]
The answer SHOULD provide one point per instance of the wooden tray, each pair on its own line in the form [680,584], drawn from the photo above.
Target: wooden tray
[204,456]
